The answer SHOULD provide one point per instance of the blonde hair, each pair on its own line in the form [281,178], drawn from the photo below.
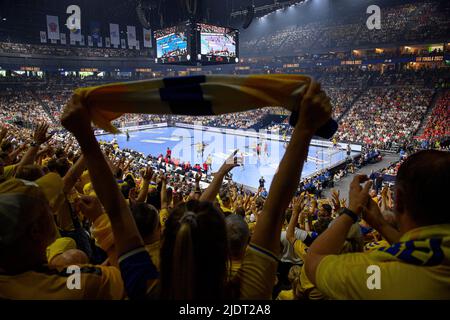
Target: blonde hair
[183,274]
[193,231]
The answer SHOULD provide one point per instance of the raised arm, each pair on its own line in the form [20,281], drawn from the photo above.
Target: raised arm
[331,240]
[164,201]
[315,110]
[213,189]
[18,150]
[76,119]
[71,177]
[198,177]
[372,215]
[146,177]
[39,137]
[290,232]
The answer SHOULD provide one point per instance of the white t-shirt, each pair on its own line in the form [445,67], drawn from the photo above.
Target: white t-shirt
[288,253]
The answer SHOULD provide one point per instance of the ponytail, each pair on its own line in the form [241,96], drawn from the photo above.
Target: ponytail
[183,262]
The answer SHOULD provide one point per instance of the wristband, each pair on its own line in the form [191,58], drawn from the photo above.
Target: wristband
[350,213]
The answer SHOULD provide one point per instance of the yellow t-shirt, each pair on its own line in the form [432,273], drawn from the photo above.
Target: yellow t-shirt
[153,250]
[9,172]
[45,161]
[234,267]
[307,288]
[376,245]
[256,276]
[226,210]
[286,295]
[104,238]
[254,279]
[405,271]
[163,215]
[59,246]
[97,282]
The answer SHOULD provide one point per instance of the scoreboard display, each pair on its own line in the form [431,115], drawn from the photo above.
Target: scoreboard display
[218,44]
[197,44]
[172,44]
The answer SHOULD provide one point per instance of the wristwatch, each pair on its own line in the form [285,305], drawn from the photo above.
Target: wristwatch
[350,213]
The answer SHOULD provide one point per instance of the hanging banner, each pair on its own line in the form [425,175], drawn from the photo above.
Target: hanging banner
[82,43]
[147,38]
[123,44]
[63,38]
[107,42]
[131,36]
[53,28]
[114,34]
[100,42]
[43,37]
[90,43]
[95,31]
[75,36]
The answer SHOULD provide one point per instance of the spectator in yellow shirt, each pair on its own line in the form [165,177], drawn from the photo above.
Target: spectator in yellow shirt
[26,230]
[417,264]
[238,235]
[194,250]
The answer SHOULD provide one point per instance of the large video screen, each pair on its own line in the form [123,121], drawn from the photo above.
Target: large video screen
[171,44]
[218,41]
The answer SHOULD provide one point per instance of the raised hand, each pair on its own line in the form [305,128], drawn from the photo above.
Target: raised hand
[372,214]
[359,196]
[40,134]
[147,174]
[76,118]
[298,203]
[90,207]
[315,109]
[335,199]
[230,163]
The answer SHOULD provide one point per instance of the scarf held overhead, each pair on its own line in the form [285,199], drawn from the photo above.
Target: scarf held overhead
[197,96]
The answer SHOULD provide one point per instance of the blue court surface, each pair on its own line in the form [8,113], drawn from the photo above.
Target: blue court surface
[186,146]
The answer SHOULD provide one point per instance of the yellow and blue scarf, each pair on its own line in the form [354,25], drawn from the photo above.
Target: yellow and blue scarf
[425,246]
[197,96]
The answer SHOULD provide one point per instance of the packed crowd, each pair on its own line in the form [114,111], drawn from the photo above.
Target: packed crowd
[240,120]
[409,22]
[21,108]
[150,228]
[347,79]
[385,117]
[70,51]
[438,123]
[386,114]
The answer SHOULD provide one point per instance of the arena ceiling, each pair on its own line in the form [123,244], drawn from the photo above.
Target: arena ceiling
[20,19]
